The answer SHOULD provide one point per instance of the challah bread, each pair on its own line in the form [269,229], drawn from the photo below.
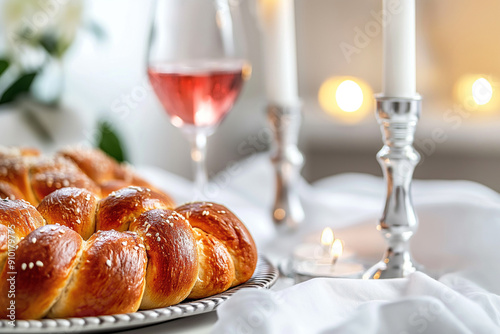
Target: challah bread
[12,152]
[50,174]
[24,174]
[123,206]
[16,172]
[95,164]
[44,262]
[72,207]
[221,224]
[9,191]
[172,257]
[216,271]
[194,251]
[20,217]
[108,279]
[104,170]
[17,220]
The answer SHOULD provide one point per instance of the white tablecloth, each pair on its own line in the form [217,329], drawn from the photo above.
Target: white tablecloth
[456,242]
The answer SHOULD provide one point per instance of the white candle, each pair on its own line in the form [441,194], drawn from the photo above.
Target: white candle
[278,42]
[399,49]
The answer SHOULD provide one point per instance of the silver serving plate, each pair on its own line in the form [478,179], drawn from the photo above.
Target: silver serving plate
[264,277]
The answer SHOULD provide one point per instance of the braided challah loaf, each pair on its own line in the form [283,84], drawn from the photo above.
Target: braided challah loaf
[24,174]
[127,251]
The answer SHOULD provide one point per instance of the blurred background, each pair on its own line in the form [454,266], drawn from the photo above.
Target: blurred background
[81,78]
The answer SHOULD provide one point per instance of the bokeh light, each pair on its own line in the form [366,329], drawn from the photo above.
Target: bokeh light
[348,99]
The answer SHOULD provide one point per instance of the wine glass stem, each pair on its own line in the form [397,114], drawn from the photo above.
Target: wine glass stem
[198,142]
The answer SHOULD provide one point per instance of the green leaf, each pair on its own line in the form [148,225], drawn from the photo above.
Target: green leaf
[20,86]
[4,64]
[49,43]
[109,142]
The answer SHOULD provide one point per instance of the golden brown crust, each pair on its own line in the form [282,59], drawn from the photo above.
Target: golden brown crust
[93,162]
[18,218]
[4,244]
[16,171]
[216,269]
[109,278]
[21,216]
[108,187]
[39,278]
[121,207]
[71,207]
[217,220]
[50,174]
[11,152]
[26,175]
[10,191]
[172,257]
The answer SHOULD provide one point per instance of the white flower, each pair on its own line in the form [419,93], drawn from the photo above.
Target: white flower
[32,19]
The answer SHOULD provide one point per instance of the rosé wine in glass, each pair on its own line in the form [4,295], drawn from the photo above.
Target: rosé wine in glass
[199,93]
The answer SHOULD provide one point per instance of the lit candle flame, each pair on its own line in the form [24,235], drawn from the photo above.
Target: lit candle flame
[327,237]
[336,250]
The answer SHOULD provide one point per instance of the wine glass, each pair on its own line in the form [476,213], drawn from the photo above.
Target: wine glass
[197,66]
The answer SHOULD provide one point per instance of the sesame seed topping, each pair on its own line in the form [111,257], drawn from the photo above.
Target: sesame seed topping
[61,231]
[39,263]
[124,243]
[24,266]
[87,197]
[33,240]
[205,213]
[148,234]
[31,265]
[108,263]
[78,221]
[159,239]
[136,248]
[157,234]
[141,245]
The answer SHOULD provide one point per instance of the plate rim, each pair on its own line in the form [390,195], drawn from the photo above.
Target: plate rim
[264,277]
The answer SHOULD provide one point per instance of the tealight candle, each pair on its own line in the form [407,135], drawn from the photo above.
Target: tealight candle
[311,250]
[326,259]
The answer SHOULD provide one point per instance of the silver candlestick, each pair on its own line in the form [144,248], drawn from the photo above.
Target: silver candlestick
[398,118]
[285,122]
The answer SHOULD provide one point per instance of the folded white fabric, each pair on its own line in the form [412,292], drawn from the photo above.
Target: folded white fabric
[418,304]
